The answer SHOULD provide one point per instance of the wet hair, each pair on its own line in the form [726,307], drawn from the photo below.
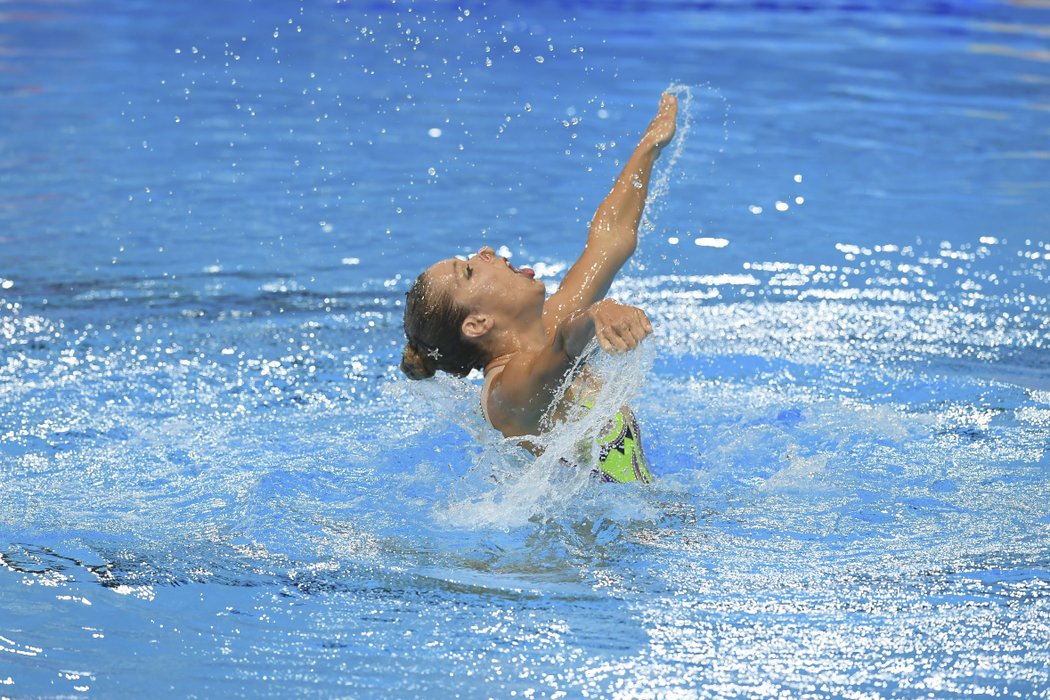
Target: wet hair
[432,325]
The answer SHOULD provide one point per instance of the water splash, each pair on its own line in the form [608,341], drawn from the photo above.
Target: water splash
[661,181]
[505,485]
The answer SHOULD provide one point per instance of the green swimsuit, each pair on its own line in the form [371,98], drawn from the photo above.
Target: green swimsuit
[621,458]
[620,455]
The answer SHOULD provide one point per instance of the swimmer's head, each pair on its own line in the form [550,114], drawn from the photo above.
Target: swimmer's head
[432,326]
[454,305]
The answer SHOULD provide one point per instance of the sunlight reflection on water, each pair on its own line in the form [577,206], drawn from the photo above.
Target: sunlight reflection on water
[216,483]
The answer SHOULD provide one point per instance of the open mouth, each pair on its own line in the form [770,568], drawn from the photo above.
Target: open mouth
[527,271]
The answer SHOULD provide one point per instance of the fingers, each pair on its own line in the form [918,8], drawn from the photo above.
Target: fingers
[641,328]
[662,127]
[611,342]
[634,330]
[625,332]
[668,103]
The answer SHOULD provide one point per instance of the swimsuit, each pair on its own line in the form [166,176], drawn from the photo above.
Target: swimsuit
[621,458]
[620,455]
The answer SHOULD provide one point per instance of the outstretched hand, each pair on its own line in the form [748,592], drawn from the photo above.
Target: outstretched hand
[617,327]
[662,127]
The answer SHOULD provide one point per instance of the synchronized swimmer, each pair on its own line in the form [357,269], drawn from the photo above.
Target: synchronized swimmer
[482,313]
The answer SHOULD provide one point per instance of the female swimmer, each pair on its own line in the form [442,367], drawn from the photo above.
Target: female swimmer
[482,313]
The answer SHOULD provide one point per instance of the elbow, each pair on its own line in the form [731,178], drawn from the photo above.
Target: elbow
[619,248]
[618,241]
[629,244]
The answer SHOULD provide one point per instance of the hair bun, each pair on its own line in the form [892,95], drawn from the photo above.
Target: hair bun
[416,364]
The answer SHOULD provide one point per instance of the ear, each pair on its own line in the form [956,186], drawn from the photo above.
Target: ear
[476,325]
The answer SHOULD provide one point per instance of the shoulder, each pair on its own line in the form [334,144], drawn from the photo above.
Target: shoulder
[508,398]
[491,379]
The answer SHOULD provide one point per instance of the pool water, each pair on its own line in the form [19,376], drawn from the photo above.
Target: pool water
[216,483]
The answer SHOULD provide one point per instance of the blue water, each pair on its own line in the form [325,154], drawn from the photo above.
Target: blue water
[215,483]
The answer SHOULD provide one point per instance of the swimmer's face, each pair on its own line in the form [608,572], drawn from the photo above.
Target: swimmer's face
[487,283]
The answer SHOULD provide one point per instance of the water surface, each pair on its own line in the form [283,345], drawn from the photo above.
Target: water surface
[215,482]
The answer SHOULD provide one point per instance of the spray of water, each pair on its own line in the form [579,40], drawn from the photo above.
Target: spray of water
[661,180]
[668,165]
[507,486]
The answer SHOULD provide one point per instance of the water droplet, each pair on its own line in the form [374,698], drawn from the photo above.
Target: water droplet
[673,240]
[800,200]
[516,49]
[754,209]
[782,206]
[528,107]
[434,132]
[798,178]
[432,172]
[539,59]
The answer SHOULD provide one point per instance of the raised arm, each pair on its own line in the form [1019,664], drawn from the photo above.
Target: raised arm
[613,233]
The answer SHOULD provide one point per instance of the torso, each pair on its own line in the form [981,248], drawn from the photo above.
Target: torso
[621,456]
[582,384]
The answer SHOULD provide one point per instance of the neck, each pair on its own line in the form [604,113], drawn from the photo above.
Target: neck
[513,339]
